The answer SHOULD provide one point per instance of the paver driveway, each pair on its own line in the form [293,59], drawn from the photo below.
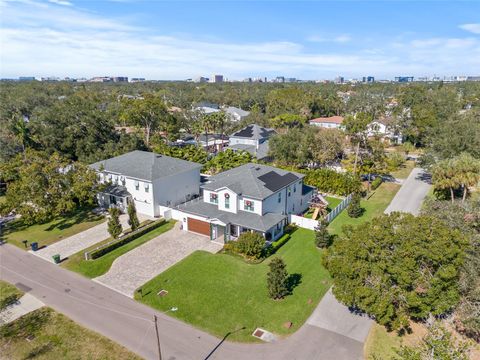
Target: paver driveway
[135,268]
[82,240]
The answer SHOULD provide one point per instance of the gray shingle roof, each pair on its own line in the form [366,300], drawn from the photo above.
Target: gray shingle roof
[254,132]
[242,218]
[253,180]
[145,165]
[260,153]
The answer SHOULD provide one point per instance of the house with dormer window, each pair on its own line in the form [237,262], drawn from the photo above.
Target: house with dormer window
[251,197]
[152,181]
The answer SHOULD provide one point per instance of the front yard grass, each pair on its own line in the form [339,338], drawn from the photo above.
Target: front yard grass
[8,294]
[223,294]
[48,233]
[99,266]
[404,170]
[374,205]
[56,337]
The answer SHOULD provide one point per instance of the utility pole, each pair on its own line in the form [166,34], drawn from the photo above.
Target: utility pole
[158,338]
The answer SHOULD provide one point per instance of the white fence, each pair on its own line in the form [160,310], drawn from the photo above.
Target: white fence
[303,222]
[306,223]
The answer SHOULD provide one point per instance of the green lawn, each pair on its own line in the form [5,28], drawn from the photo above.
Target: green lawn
[8,294]
[381,344]
[404,170]
[332,204]
[221,293]
[374,206]
[97,267]
[50,232]
[54,336]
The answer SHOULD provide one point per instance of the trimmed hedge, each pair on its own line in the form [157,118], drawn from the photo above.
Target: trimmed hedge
[376,183]
[273,248]
[126,239]
[330,181]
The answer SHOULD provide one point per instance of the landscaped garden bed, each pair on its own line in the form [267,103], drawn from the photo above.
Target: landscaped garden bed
[221,293]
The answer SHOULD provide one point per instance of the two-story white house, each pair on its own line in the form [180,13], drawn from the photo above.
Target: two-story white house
[251,197]
[151,180]
[253,139]
[384,129]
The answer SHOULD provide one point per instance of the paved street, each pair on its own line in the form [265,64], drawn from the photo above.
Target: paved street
[410,196]
[82,240]
[153,258]
[130,323]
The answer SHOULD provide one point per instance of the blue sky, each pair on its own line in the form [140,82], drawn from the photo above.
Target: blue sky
[186,39]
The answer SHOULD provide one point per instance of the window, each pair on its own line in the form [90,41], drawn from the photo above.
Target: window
[294,187]
[279,197]
[213,198]
[147,188]
[289,191]
[249,205]
[227,201]
[137,185]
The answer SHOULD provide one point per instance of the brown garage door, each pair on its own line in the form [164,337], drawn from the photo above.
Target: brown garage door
[199,226]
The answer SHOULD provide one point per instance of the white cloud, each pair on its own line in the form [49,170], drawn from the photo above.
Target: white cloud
[61,2]
[50,40]
[336,39]
[473,28]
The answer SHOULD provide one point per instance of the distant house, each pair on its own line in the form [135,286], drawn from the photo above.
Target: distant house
[149,180]
[236,114]
[384,129]
[331,122]
[213,142]
[253,139]
[251,197]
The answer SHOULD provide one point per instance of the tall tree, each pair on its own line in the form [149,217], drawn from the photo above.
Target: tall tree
[132,216]
[114,225]
[148,112]
[356,128]
[398,267]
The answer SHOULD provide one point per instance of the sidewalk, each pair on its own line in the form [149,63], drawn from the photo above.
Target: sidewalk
[26,304]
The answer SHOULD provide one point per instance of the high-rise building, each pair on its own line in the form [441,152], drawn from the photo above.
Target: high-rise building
[217,78]
[339,80]
[368,79]
[403,79]
[120,79]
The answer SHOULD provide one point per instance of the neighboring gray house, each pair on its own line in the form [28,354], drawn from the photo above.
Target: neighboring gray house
[253,139]
[150,180]
[236,114]
[251,197]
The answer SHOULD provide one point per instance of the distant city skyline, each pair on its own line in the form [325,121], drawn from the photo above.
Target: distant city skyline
[180,40]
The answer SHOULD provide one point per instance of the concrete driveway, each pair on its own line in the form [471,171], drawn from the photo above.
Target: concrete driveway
[410,196]
[135,268]
[82,240]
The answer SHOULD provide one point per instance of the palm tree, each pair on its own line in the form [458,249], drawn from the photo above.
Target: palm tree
[467,170]
[444,176]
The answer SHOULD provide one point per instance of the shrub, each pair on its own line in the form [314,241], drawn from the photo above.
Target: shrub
[323,239]
[273,248]
[395,160]
[354,210]
[277,279]
[126,239]
[330,181]
[132,216]
[377,182]
[250,244]
[114,226]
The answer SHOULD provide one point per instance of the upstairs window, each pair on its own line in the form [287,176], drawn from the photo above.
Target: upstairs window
[227,201]
[137,185]
[249,205]
[294,187]
[213,198]
[147,188]
[279,197]
[289,191]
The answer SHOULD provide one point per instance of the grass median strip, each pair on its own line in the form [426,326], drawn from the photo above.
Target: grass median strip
[222,293]
[99,266]
[8,294]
